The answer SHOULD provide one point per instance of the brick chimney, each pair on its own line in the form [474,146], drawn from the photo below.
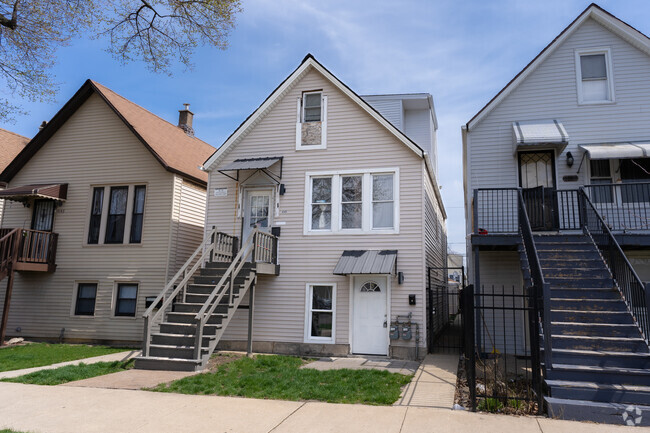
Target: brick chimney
[185,120]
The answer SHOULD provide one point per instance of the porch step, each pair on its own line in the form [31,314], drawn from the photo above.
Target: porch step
[622,317]
[607,344]
[195,307]
[187,328]
[594,329]
[178,317]
[602,282]
[170,364]
[170,351]
[572,255]
[585,293]
[606,375]
[599,392]
[599,358]
[553,239]
[577,263]
[178,340]
[609,413]
[577,273]
[206,289]
[197,298]
[578,304]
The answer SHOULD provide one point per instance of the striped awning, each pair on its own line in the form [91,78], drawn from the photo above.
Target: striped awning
[54,191]
[534,133]
[617,150]
[366,262]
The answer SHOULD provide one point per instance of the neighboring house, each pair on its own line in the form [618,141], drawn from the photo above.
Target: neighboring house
[10,145]
[353,213]
[107,201]
[565,144]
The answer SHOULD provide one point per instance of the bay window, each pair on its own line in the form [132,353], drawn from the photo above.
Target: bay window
[352,202]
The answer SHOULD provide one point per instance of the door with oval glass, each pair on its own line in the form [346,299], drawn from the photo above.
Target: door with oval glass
[257,211]
[370,317]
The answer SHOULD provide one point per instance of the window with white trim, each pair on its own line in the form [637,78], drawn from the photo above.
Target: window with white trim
[311,121]
[320,313]
[116,214]
[594,76]
[352,202]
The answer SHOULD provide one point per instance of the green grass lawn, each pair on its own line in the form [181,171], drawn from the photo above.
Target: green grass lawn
[279,377]
[39,354]
[6,430]
[70,373]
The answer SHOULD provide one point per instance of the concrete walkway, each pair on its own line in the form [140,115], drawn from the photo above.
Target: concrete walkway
[364,363]
[65,409]
[131,379]
[434,384]
[119,356]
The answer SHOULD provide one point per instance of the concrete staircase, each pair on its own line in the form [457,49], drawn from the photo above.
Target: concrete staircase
[172,347]
[600,361]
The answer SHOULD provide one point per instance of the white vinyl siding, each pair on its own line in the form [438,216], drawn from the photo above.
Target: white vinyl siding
[352,135]
[594,76]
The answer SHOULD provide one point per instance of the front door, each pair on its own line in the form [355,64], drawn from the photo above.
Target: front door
[537,180]
[43,215]
[257,211]
[370,319]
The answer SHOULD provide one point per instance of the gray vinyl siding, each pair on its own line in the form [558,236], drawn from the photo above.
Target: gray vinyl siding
[354,141]
[550,92]
[390,108]
[93,147]
[417,125]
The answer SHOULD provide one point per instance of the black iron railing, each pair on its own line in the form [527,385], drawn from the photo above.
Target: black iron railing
[496,211]
[635,294]
[623,206]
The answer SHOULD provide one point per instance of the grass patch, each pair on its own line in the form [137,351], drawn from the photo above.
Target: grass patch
[281,378]
[40,354]
[70,373]
[490,405]
[6,430]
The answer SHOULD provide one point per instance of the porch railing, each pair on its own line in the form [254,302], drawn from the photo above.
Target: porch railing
[34,246]
[635,294]
[623,206]
[496,211]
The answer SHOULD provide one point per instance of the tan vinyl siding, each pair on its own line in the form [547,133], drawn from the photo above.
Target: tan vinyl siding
[188,226]
[354,141]
[93,147]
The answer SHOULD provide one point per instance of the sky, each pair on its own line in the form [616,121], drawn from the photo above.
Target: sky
[462,52]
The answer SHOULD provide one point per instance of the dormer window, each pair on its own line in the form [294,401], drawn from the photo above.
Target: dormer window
[311,107]
[594,76]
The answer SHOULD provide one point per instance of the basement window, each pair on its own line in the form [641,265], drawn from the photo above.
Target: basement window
[85,302]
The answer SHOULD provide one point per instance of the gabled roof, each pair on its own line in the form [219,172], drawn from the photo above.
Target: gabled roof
[308,63]
[170,145]
[593,11]
[10,145]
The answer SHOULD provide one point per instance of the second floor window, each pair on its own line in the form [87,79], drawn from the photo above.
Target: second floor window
[362,202]
[594,77]
[311,107]
[116,215]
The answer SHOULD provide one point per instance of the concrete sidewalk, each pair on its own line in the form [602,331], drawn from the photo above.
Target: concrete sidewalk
[434,383]
[65,409]
[119,356]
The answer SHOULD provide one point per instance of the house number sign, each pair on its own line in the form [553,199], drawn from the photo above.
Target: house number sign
[221,192]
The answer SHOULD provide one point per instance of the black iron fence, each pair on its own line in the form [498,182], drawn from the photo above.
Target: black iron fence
[444,311]
[501,337]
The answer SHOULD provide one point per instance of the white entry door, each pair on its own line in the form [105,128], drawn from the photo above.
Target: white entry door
[370,320]
[257,211]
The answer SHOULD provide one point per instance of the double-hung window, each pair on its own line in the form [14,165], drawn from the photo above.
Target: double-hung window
[600,175]
[320,315]
[594,76]
[311,107]
[359,202]
[311,120]
[126,299]
[116,214]
[85,302]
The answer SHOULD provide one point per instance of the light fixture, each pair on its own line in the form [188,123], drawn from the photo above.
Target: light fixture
[569,159]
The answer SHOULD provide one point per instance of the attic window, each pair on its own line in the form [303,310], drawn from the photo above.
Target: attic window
[311,107]
[593,69]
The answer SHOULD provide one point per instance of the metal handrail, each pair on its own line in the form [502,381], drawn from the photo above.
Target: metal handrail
[542,289]
[206,250]
[635,294]
[221,288]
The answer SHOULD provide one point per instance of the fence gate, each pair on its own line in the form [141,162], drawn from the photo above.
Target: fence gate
[444,311]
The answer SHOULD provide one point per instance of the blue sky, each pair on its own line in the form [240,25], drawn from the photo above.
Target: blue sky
[462,52]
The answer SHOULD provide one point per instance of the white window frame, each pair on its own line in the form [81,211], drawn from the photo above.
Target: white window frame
[336,224]
[104,216]
[323,122]
[308,316]
[610,74]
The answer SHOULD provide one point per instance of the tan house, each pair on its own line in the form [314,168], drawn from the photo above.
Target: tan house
[103,205]
[335,213]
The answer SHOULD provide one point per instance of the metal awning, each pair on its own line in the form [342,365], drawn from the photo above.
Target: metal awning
[366,262]
[534,133]
[53,191]
[617,150]
[257,164]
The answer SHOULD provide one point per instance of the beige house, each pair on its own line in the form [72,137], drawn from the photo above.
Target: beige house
[103,205]
[339,212]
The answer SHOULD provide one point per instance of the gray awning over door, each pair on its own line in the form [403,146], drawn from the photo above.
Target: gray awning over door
[366,262]
[257,164]
[532,134]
